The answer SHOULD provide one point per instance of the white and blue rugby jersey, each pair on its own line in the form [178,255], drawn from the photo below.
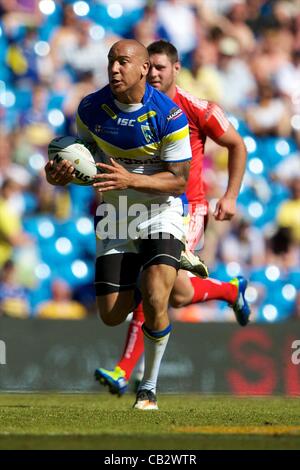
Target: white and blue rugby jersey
[140,140]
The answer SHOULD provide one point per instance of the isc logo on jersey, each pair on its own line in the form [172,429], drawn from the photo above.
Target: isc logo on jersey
[126,122]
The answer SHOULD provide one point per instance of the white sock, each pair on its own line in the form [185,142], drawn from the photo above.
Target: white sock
[154,351]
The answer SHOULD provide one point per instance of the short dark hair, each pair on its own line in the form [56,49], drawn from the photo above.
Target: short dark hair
[164,47]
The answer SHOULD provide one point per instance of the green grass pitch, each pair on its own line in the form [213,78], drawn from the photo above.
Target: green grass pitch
[101,421]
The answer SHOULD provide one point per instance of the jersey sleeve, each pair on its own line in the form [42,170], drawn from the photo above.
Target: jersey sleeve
[82,129]
[175,142]
[215,122]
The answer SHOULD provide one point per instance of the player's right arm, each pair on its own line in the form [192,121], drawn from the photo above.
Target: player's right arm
[220,130]
[237,156]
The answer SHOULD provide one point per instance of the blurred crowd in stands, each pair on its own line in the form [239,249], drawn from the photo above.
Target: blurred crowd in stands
[245,55]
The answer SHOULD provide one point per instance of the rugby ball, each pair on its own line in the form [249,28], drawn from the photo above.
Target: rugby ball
[78,153]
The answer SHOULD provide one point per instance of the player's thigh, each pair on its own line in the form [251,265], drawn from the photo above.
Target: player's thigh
[115,283]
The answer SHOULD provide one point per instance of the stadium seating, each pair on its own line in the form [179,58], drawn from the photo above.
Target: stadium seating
[67,247]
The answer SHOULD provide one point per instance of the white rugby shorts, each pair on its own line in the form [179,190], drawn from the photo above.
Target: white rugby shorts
[119,233]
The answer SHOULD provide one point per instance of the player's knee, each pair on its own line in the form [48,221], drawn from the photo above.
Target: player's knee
[110,316]
[155,309]
[109,319]
[113,310]
[177,300]
[155,303]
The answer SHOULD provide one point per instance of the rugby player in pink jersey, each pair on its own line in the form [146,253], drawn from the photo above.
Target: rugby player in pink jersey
[206,119]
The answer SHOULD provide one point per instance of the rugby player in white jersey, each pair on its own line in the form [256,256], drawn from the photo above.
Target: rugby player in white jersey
[144,138]
[206,119]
